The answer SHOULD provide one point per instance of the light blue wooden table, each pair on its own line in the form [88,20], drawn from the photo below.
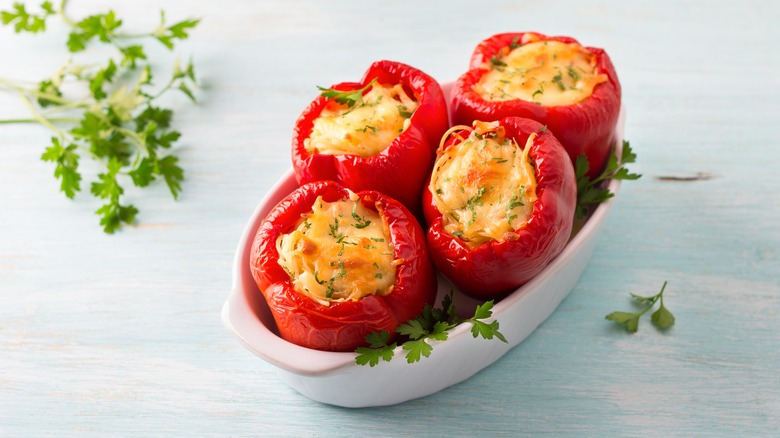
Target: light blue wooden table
[121,335]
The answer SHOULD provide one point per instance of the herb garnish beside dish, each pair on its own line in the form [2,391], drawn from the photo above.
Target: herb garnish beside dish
[433,324]
[590,192]
[661,318]
[117,121]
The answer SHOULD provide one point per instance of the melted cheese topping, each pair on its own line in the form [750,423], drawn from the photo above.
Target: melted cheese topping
[484,186]
[366,128]
[340,251]
[549,73]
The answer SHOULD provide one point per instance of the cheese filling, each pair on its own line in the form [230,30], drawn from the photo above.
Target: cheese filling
[484,186]
[367,127]
[340,251]
[548,73]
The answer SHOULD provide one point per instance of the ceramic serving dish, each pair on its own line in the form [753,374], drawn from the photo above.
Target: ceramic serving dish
[335,378]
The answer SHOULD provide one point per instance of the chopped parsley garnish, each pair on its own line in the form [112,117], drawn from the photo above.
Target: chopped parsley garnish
[572,74]
[539,91]
[473,202]
[334,230]
[360,222]
[495,61]
[489,134]
[514,202]
[558,80]
[349,97]
[342,273]
[404,112]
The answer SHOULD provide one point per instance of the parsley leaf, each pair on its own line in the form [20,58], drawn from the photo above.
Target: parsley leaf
[102,76]
[113,215]
[143,173]
[67,166]
[132,54]
[378,349]
[661,318]
[24,21]
[102,26]
[432,324]
[483,329]
[416,349]
[107,186]
[172,173]
[589,191]
[413,329]
[180,31]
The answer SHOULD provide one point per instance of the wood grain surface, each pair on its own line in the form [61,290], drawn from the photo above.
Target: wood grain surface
[121,336]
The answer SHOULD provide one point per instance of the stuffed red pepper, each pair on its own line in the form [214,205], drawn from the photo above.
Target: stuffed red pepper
[554,80]
[499,204]
[377,134]
[335,265]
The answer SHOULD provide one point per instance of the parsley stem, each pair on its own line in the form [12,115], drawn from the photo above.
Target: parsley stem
[64,16]
[125,36]
[39,94]
[163,90]
[141,142]
[33,120]
[65,107]
[40,118]
[653,300]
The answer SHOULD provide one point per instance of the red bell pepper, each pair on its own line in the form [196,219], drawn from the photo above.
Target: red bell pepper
[342,325]
[496,267]
[401,168]
[585,127]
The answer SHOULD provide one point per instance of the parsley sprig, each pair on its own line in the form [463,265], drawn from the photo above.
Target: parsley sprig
[23,21]
[349,98]
[432,324]
[110,112]
[589,191]
[661,318]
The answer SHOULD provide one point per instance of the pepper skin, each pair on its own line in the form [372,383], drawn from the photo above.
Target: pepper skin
[342,326]
[401,168]
[586,127]
[495,268]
